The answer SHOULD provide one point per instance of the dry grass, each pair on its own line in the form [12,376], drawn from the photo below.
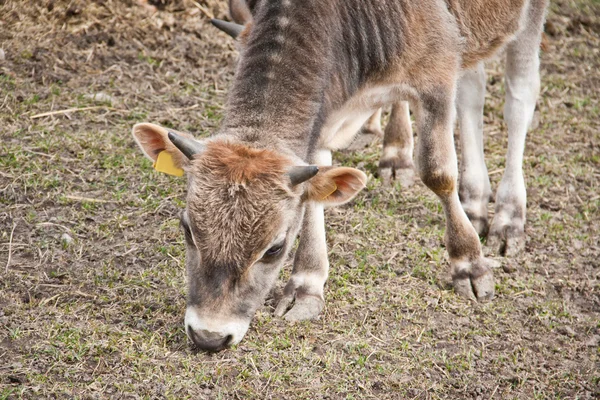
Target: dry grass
[92,300]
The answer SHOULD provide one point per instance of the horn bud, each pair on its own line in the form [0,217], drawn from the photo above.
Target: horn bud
[302,173]
[186,145]
[230,28]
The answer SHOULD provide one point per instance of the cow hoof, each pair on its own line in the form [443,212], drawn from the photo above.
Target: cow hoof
[475,281]
[301,301]
[479,221]
[506,240]
[476,208]
[305,308]
[302,308]
[480,224]
[406,176]
[395,170]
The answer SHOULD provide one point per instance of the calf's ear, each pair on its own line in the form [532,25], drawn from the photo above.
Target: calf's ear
[154,140]
[335,185]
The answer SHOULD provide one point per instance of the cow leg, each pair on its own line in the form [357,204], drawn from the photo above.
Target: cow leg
[373,124]
[507,235]
[304,290]
[474,190]
[396,162]
[437,165]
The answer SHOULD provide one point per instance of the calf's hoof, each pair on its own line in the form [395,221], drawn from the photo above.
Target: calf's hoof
[299,302]
[476,207]
[479,220]
[506,239]
[474,280]
[396,170]
[304,308]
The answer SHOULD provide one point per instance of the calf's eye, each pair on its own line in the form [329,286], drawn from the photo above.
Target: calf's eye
[274,250]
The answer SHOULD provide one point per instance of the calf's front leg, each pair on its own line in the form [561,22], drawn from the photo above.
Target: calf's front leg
[437,166]
[304,291]
[474,190]
[507,233]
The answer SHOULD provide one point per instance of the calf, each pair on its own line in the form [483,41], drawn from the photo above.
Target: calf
[309,76]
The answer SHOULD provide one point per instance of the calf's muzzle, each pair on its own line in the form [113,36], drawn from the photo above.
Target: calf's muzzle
[208,341]
[213,333]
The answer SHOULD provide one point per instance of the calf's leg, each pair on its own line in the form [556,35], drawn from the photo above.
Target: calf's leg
[304,291]
[507,234]
[437,166]
[474,190]
[396,162]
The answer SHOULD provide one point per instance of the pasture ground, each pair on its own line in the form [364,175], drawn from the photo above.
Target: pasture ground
[92,300]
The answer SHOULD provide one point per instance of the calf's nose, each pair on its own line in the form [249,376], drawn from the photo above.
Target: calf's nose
[209,341]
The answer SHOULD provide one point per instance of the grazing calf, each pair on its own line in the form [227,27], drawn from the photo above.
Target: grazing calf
[309,76]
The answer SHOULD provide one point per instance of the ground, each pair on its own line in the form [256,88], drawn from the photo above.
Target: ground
[92,285]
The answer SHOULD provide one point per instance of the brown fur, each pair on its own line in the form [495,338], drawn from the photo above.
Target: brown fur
[243,38]
[234,201]
[485,25]
[240,164]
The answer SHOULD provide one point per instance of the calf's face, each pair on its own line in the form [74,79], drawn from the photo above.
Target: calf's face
[244,209]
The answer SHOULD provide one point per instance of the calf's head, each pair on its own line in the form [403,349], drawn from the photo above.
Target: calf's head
[244,209]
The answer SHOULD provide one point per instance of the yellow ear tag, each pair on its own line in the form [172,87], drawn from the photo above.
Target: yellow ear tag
[164,163]
[330,193]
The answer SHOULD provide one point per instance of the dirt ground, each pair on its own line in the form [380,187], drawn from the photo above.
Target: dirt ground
[92,285]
